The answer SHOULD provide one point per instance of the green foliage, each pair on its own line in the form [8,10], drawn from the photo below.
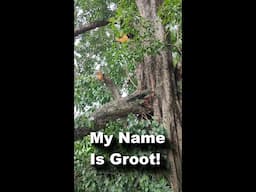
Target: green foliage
[98,50]
[170,13]
[134,126]
[92,181]
[87,178]
[92,10]
[89,91]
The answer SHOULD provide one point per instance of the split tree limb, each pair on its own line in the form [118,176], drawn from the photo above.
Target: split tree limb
[90,26]
[114,110]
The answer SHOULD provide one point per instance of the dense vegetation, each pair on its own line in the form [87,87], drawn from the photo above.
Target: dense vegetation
[97,50]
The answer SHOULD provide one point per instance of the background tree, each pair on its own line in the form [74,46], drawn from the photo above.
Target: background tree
[140,91]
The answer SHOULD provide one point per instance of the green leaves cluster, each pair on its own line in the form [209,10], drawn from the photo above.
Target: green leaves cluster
[87,178]
[170,13]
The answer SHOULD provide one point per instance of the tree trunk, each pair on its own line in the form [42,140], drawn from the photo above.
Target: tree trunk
[157,73]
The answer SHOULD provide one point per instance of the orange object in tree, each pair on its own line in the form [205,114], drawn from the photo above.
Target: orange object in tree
[122,39]
[99,75]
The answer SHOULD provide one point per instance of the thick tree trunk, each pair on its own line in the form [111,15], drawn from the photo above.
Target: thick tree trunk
[157,73]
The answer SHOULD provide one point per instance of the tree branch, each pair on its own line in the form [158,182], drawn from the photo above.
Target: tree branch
[114,110]
[112,87]
[89,27]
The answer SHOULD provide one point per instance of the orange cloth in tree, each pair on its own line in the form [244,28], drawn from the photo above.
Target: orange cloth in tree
[99,75]
[122,39]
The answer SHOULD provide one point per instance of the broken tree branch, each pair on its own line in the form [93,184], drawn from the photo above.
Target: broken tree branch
[114,110]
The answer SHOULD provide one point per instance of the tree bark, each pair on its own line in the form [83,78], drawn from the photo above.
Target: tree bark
[90,26]
[112,87]
[158,75]
[116,109]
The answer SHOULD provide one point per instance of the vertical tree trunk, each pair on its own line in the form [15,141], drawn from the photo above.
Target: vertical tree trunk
[157,73]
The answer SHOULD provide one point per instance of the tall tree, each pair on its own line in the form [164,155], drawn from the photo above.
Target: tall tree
[159,76]
[146,68]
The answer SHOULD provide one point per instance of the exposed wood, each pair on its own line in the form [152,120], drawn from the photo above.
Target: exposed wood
[115,110]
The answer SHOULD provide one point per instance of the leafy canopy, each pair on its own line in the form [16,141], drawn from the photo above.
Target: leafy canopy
[98,50]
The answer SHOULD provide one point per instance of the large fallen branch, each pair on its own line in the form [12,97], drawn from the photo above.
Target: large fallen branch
[90,26]
[114,110]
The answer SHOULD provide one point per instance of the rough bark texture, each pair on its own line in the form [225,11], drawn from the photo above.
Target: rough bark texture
[116,109]
[112,87]
[157,73]
[89,27]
